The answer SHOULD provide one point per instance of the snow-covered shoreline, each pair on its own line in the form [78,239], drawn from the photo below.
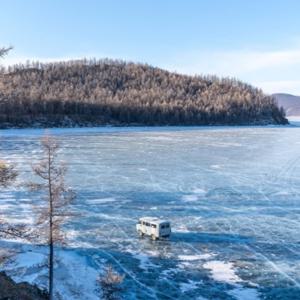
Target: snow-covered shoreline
[119,129]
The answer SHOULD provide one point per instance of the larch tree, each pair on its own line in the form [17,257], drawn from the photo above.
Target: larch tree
[4,51]
[8,175]
[53,210]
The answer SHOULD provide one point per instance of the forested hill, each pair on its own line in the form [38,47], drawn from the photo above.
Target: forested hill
[101,92]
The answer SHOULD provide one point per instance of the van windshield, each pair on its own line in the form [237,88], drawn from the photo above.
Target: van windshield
[162,226]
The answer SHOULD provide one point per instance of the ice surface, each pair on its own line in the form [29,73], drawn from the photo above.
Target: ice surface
[231,194]
[240,293]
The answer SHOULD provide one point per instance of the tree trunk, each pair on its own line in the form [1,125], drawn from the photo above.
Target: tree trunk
[51,250]
[51,272]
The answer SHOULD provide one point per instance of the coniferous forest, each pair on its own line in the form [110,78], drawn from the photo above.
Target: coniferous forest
[100,92]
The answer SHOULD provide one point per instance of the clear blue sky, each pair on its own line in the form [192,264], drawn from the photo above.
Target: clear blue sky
[255,40]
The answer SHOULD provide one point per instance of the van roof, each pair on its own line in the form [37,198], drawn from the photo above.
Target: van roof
[153,220]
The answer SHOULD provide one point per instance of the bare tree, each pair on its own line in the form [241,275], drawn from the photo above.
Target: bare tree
[4,51]
[52,211]
[8,175]
[110,284]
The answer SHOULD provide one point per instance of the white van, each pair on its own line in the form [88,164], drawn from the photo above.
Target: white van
[153,227]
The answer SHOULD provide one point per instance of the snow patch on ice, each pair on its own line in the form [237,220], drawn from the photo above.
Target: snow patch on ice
[199,191]
[215,166]
[241,293]
[75,278]
[222,271]
[169,272]
[282,193]
[189,286]
[144,259]
[194,257]
[17,220]
[26,266]
[29,259]
[190,198]
[101,201]
[182,228]
[73,275]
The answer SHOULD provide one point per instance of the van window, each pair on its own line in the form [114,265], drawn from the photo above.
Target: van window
[162,226]
[147,224]
[166,225]
[153,225]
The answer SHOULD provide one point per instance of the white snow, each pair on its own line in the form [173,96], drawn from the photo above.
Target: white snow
[194,257]
[190,198]
[101,201]
[222,271]
[29,259]
[199,191]
[29,132]
[190,285]
[182,228]
[73,277]
[215,166]
[241,293]
[144,259]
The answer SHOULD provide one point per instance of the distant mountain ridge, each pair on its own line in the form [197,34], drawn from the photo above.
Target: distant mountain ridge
[290,103]
[110,92]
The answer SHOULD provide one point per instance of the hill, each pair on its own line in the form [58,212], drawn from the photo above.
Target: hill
[290,103]
[101,92]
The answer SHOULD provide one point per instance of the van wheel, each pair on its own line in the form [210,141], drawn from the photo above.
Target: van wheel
[153,237]
[141,234]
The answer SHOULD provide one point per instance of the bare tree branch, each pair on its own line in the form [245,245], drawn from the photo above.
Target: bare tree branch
[16,231]
[8,175]
[4,51]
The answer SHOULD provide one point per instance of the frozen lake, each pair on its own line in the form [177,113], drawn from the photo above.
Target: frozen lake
[231,193]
